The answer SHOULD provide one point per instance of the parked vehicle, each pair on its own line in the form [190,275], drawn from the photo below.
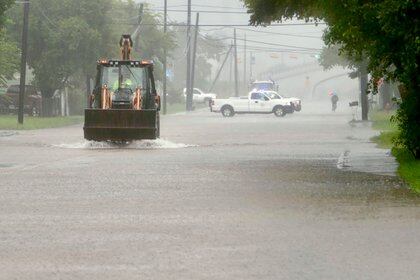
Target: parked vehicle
[264,85]
[201,97]
[296,103]
[257,102]
[32,102]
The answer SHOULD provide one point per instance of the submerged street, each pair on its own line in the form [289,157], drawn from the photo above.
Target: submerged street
[307,196]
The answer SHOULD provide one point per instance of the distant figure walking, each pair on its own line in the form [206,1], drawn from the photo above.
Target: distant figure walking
[334,101]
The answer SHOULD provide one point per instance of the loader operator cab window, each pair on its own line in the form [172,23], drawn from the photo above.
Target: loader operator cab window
[124,77]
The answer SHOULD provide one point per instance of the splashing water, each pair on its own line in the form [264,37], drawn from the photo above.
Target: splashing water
[139,145]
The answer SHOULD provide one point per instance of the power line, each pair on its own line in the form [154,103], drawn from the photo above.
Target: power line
[270,44]
[206,6]
[199,11]
[269,50]
[226,25]
[277,33]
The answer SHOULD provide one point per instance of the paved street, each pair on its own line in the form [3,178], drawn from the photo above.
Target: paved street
[307,196]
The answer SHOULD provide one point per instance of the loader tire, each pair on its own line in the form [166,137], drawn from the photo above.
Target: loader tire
[157,125]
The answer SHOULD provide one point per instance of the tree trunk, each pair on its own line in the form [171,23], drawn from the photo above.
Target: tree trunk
[363,77]
[385,96]
[47,107]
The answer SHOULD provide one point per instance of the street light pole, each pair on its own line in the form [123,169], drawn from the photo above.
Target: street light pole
[194,54]
[189,100]
[23,60]
[236,63]
[251,62]
[165,54]
[245,76]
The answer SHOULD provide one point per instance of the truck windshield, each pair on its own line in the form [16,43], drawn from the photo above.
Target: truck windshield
[124,76]
[273,95]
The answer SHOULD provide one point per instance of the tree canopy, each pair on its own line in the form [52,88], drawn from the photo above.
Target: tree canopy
[67,37]
[208,48]
[386,32]
[9,53]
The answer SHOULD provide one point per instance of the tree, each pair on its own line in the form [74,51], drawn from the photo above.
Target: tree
[385,31]
[149,40]
[9,53]
[4,5]
[67,37]
[208,48]
[9,59]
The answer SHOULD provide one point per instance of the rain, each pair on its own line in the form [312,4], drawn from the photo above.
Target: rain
[193,139]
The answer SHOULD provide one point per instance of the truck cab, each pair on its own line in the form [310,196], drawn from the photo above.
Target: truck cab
[257,102]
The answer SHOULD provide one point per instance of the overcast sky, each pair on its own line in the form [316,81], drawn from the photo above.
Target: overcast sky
[236,6]
[290,37]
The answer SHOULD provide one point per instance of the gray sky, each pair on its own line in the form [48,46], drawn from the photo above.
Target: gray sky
[243,18]
[297,36]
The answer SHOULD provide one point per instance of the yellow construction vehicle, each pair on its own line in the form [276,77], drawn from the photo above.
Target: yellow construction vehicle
[124,104]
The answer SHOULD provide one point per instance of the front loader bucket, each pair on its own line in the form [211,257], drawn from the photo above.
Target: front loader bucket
[120,125]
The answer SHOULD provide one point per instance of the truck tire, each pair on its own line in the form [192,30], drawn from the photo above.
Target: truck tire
[279,111]
[227,111]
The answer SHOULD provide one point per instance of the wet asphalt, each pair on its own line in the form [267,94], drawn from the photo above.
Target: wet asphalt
[307,196]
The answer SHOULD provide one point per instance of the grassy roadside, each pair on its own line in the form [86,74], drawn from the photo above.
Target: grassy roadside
[409,168]
[175,108]
[30,123]
[180,107]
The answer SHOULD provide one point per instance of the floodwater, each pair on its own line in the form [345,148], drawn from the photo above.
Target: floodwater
[307,196]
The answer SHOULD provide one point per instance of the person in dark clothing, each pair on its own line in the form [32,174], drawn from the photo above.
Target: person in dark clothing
[334,101]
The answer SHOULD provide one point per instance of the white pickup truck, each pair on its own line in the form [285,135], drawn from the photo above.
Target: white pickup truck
[257,102]
[201,97]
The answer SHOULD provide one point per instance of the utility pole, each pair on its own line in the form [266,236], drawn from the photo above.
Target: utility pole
[23,60]
[236,63]
[245,77]
[194,53]
[189,101]
[221,68]
[251,62]
[88,90]
[165,54]
[363,77]
[136,34]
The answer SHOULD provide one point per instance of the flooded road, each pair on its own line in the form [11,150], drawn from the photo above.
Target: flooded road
[307,196]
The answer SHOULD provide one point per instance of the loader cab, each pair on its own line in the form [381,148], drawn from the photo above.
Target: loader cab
[123,79]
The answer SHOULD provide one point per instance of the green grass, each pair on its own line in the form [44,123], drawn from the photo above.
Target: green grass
[180,107]
[386,139]
[30,123]
[382,121]
[409,168]
[175,108]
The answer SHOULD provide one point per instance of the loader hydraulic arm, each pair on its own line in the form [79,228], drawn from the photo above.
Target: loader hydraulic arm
[126,45]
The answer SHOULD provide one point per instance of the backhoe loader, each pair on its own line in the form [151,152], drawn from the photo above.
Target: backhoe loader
[124,105]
